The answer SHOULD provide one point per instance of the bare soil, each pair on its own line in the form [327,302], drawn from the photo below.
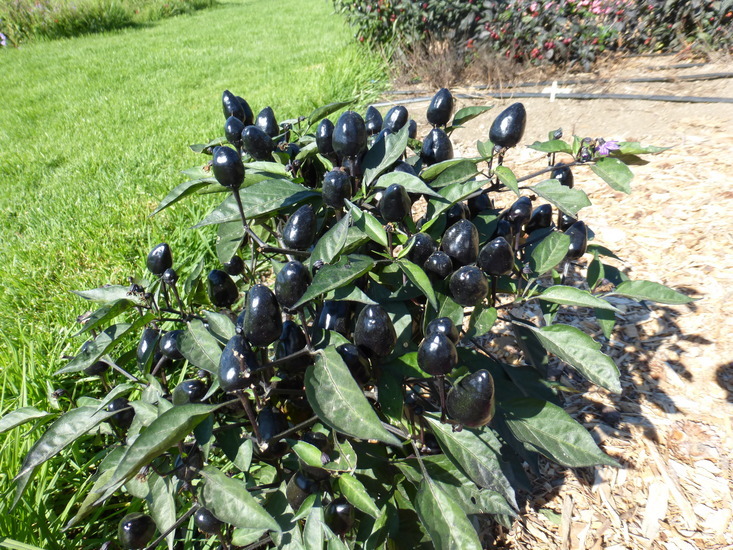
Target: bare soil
[671,428]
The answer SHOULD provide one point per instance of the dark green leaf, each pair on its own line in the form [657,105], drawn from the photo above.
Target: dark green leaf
[432,172]
[356,494]
[63,432]
[443,519]
[331,277]
[220,325]
[339,402]
[568,200]
[261,198]
[457,172]
[162,433]
[106,313]
[411,183]
[581,352]
[615,173]
[182,191]
[451,194]
[550,430]
[200,348]
[636,148]
[507,177]
[485,148]
[571,296]
[552,146]
[313,536]
[469,113]
[349,293]
[203,147]
[595,272]
[229,238]
[655,292]
[266,168]
[417,276]
[19,417]
[228,499]
[481,321]
[162,505]
[330,245]
[377,160]
[368,224]
[103,343]
[550,252]
[325,110]
[477,453]
[532,349]
[602,251]
[607,320]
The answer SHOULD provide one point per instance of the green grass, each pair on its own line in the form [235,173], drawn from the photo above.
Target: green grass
[94,132]
[23,20]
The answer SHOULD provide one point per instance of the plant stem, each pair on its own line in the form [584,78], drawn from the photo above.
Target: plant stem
[250,414]
[312,420]
[294,355]
[252,234]
[191,511]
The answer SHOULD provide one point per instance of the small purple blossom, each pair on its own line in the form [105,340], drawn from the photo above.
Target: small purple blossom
[3,40]
[606,147]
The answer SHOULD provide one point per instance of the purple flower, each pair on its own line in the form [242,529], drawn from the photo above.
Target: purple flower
[606,147]
[3,39]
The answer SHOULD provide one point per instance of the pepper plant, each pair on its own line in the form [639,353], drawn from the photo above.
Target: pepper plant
[328,379]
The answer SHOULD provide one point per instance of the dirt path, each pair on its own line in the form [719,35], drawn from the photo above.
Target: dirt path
[674,433]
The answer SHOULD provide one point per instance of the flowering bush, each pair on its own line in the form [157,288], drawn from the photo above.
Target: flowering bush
[558,31]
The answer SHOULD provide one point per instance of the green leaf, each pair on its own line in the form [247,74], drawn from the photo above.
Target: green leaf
[19,417]
[615,173]
[432,172]
[581,352]
[228,499]
[411,183]
[162,505]
[481,321]
[532,349]
[66,429]
[383,154]
[261,198]
[339,401]
[203,147]
[550,430]
[325,110]
[267,168]
[229,237]
[550,252]
[485,148]
[102,477]
[450,195]
[368,224]
[349,293]
[571,296]
[552,146]
[457,172]
[595,271]
[182,191]
[107,294]
[417,276]
[331,277]
[220,325]
[568,200]
[469,113]
[330,245]
[104,341]
[313,530]
[443,519]
[162,433]
[607,320]
[11,544]
[636,148]
[356,494]
[649,290]
[507,177]
[200,348]
[477,453]
[106,313]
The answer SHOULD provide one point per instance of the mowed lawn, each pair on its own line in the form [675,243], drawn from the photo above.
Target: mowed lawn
[93,133]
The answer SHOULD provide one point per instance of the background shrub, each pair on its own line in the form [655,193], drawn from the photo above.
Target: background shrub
[556,31]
